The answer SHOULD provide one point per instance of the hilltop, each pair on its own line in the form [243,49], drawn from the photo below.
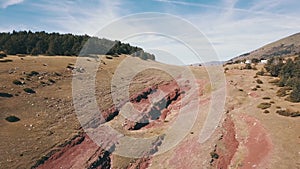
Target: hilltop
[287,46]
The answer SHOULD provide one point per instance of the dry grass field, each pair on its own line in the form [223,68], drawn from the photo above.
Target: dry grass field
[49,133]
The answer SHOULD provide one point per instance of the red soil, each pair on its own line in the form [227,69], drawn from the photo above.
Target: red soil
[230,143]
[186,154]
[258,144]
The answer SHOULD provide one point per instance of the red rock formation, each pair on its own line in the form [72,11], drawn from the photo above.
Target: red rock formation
[230,143]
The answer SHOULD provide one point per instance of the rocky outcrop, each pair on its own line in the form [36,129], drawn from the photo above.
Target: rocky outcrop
[78,152]
[157,110]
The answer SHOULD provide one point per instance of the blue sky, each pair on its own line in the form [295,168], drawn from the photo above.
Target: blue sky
[232,26]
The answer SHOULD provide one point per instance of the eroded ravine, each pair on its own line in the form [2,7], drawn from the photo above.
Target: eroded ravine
[82,152]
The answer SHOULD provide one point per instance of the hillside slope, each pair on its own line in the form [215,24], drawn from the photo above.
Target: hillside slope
[284,47]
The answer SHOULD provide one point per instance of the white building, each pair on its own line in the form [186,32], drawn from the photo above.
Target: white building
[248,62]
[264,61]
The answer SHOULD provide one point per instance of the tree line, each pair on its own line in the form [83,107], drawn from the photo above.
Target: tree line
[289,74]
[43,43]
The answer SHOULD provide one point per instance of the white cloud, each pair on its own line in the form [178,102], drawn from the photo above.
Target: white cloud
[6,3]
[80,17]
[234,31]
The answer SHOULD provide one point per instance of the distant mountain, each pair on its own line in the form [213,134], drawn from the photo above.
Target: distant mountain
[284,47]
[211,63]
[43,43]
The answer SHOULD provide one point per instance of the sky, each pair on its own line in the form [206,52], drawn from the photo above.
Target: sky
[231,27]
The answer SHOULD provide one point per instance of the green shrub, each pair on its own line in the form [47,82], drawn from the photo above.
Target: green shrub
[51,80]
[248,66]
[108,57]
[12,119]
[33,73]
[259,81]
[18,82]
[214,155]
[6,60]
[295,94]
[264,105]
[28,90]
[288,113]
[7,95]
[255,60]
[260,73]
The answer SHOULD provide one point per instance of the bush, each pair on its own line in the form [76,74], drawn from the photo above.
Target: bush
[260,73]
[266,111]
[214,155]
[57,74]
[12,119]
[255,60]
[248,66]
[254,89]
[51,80]
[259,81]
[5,95]
[18,82]
[108,57]
[266,98]
[2,54]
[28,90]
[33,73]
[264,105]
[288,113]
[6,60]
[295,94]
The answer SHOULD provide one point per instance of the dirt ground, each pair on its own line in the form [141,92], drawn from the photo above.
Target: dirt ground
[49,133]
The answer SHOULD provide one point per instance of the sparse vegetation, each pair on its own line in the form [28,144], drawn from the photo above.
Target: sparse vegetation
[289,74]
[287,112]
[264,105]
[266,98]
